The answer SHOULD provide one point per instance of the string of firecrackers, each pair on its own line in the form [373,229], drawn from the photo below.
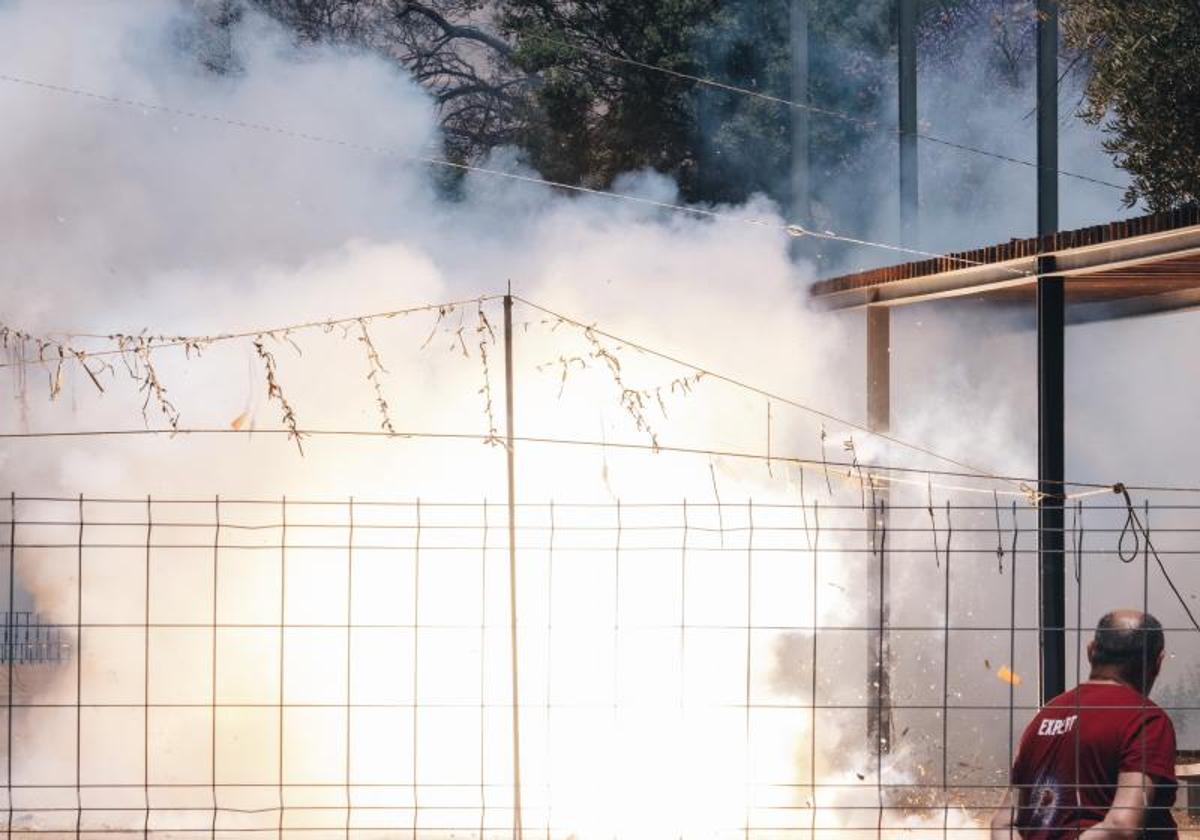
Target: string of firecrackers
[636,402]
[484,336]
[134,352]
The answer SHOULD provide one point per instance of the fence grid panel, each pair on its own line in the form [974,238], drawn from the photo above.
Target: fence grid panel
[299,668]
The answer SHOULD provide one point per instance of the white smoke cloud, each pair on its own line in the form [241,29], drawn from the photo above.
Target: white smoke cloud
[120,218]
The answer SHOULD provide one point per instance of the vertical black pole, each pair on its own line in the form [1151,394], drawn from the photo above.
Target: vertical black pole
[512,562]
[907,53]
[1051,312]
[879,348]
[879,715]
[1047,116]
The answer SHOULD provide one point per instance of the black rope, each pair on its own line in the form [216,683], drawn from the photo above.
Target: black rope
[1128,529]
[1134,523]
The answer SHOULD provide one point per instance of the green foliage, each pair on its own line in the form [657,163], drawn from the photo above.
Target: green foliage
[596,115]
[1143,86]
[568,82]
[599,113]
[743,143]
[996,37]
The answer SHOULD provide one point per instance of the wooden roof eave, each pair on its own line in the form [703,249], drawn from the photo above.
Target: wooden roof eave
[959,282]
[1070,262]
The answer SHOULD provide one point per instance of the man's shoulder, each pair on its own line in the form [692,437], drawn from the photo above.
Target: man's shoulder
[1107,697]
[1104,694]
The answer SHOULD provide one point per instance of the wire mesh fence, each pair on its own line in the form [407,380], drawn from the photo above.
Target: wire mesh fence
[240,667]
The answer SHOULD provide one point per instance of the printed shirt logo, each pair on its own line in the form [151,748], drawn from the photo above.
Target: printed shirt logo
[1043,802]
[1057,726]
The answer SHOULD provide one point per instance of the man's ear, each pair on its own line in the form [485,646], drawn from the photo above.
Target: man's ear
[1158,660]
[1091,652]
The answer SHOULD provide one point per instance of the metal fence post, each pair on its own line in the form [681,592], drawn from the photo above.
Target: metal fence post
[512,561]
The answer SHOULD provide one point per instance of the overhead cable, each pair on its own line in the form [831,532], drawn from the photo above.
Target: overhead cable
[818,110]
[845,471]
[791,229]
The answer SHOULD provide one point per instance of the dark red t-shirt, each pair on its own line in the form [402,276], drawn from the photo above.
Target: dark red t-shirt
[1067,765]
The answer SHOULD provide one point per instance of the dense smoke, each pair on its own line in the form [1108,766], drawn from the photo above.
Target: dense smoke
[120,218]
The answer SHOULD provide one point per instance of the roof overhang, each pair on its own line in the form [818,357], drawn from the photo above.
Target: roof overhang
[1138,267]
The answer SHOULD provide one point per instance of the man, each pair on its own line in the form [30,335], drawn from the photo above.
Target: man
[1098,762]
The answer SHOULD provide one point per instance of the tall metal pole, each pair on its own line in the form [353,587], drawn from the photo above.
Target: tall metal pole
[512,563]
[879,362]
[1051,319]
[879,693]
[907,54]
[801,192]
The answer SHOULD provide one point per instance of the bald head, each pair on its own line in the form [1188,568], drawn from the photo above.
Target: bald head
[1128,646]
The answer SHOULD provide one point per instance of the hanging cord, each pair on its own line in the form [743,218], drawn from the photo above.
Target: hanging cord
[1133,524]
[1128,529]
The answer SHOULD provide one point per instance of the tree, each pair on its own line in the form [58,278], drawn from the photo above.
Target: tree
[1143,86]
[952,32]
[446,45]
[596,112]
[575,85]
[744,142]
[593,88]
[603,109]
